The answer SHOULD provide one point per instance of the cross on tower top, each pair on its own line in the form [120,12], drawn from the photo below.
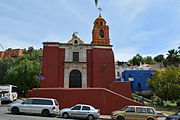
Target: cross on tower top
[75,34]
[100,10]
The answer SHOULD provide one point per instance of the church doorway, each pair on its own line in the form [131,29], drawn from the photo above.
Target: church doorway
[75,80]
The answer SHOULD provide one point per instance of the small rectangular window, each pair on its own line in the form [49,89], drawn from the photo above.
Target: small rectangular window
[140,110]
[47,102]
[76,108]
[85,108]
[118,74]
[42,102]
[150,111]
[56,103]
[131,109]
[75,56]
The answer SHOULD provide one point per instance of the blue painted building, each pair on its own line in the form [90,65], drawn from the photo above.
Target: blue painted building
[138,79]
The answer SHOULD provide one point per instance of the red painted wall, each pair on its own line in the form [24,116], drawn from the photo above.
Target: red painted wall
[103,67]
[53,67]
[89,68]
[122,88]
[61,67]
[104,99]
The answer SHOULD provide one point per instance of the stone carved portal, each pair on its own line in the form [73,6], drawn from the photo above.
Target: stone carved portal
[75,79]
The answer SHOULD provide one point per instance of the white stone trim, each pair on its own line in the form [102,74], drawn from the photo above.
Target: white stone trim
[82,67]
[84,46]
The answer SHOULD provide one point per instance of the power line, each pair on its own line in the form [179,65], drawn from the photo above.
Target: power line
[2,46]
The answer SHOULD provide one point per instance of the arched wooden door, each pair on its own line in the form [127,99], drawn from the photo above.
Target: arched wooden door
[75,79]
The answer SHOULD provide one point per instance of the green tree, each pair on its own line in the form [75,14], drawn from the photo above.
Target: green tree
[173,58]
[166,83]
[25,71]
[137,60]
[24,75]
[159,58]
[149,60]
[4,65]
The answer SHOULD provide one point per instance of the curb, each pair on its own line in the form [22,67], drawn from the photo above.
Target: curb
[105,117]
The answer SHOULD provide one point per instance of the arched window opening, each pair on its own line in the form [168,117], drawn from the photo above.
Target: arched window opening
[75,42]
[75,80]
[102,33]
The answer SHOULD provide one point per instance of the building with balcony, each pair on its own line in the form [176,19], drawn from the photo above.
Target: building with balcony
[11,53]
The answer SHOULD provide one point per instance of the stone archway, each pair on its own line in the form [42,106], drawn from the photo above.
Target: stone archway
[75,79]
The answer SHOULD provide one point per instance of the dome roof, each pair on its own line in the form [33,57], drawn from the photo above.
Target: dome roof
[100,18]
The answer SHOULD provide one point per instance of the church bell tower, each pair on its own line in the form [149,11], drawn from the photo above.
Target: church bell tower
[100,32]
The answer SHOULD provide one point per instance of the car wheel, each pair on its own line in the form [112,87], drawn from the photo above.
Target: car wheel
[150,119]
[90,117]
[15,110]
[45,113]
[120,118]
[65,115]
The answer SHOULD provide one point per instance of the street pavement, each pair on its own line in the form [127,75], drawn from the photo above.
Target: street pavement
[6,115]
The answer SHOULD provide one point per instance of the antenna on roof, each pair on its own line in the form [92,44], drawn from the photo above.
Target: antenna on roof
[2,46]
[100,10]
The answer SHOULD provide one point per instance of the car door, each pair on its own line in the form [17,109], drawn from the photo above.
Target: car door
[25,106]
[36,106]
[130,114]
[141,113]
[40,104]
[151,113]
[75,111]
[85,111]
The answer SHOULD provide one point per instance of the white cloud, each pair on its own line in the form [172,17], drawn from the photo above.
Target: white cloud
[67,5]
[125,54]
[174,44]
[9,42]
[145,35]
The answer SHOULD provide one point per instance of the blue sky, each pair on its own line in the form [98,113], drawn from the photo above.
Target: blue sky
[147,27]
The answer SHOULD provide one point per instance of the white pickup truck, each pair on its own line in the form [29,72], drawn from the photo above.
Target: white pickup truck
[7,94]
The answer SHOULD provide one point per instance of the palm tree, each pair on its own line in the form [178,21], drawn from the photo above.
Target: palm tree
[173,58]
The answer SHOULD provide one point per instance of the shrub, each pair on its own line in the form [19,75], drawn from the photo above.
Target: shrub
[178,103]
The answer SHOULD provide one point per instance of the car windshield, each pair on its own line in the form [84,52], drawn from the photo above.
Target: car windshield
[3,92]
[124,108]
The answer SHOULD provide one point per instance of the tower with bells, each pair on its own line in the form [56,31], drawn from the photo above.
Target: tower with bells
[100,32]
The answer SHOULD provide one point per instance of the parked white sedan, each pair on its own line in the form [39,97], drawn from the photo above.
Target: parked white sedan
[80,111]
[43,106]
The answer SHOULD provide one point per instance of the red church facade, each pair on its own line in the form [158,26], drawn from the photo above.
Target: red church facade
[76,72]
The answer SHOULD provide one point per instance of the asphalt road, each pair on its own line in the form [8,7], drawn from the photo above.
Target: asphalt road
[6,115]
